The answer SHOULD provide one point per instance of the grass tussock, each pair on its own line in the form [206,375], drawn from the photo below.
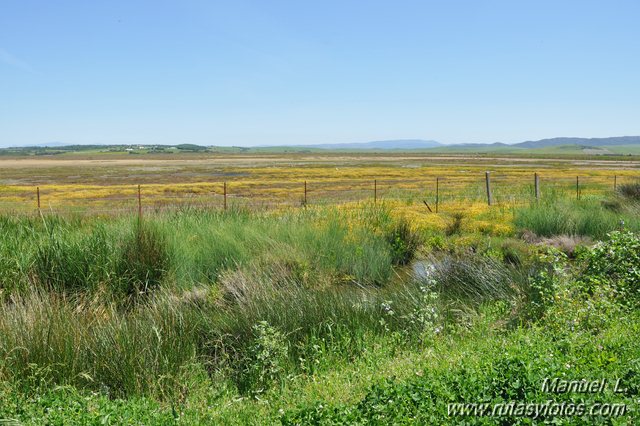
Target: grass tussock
[143,261]
[630,191]
[404,242]
[581,218]
[472,280]
[93,345]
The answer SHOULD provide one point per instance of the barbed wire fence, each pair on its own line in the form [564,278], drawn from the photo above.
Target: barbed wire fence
[434,193]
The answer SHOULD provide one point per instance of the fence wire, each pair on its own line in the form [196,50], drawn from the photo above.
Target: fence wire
[508,188]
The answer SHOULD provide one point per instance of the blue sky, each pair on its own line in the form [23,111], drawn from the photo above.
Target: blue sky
[297,72]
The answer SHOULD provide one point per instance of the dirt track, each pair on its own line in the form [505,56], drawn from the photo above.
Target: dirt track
[244,160]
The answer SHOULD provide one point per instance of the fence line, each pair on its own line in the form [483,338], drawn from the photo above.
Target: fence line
[322,192]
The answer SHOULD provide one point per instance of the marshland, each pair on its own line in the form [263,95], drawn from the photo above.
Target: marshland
[339,310]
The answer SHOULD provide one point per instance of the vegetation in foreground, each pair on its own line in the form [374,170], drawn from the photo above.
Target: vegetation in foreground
[307,317]
[591,217]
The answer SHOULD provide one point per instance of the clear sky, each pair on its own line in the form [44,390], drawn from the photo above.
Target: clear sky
[296,72]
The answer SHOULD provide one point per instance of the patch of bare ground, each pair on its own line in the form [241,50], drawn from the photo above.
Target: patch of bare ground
[565,243]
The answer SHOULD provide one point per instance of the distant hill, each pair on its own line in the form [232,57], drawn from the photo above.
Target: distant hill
[385,144]
[543,143]
[612,146]
[496,145]
[579,144]
[53,144]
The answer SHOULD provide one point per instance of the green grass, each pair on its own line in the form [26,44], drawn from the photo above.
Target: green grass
[127,306]
[193,247]
[201,317]
[588,217]
[491,368]
[625,149]
[630,191]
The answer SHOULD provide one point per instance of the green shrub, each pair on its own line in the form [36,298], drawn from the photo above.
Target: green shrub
[266,360]
[404,243]
[543,284]
[616,261]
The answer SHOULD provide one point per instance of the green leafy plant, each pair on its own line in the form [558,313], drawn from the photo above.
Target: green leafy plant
[266,358]
[404,242]
[615,261]
[425,317]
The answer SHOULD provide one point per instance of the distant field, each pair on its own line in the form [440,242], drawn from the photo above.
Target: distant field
[280,178]
[625,149]
[570,149]
[107,183]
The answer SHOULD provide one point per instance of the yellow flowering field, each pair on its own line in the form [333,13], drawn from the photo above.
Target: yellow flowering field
[405,183]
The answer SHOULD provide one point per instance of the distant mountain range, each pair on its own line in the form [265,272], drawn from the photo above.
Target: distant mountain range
[386,144]
[54,144]
[420,144]
[405,144]
[543,143]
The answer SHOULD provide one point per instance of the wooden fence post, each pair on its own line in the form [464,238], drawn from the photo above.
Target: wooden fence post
[139,204]
[615,183]
[577,187]
[488,182]
[375,191]
[305,193]
[437,193]
[38,196]
[225,194]
[537,185]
